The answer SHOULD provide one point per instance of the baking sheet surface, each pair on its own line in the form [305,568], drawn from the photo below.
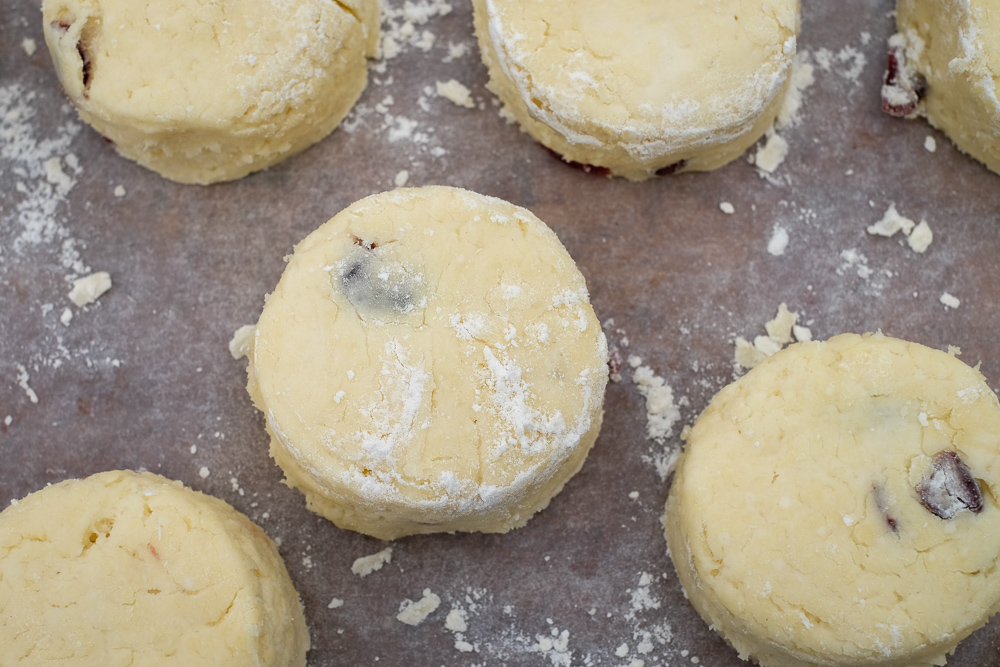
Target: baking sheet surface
[144,379]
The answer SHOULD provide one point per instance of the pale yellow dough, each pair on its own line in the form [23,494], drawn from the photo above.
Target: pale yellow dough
[203,91]
[955,45]
[125,568]
[639,86]
[795,522]
[429,362]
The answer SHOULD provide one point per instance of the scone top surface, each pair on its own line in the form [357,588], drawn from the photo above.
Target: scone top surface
[182,82]
[805,518]
[127,568]
[649,77]
[430,361]
[955,45]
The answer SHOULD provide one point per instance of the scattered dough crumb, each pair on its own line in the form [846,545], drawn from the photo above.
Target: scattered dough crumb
[454,91]
[779,241]
[921,237]
[22,381]
[414,613]
[66,317]
[119,190]
[661,413]
[780,328]
[239,344]
[401,178]
[950,301]
[891,223]
[335,603]
[8,420]
[802,78]
[456,620]
[727,208]
[29,46]
[204,472]
[780,331]
[802,334]
[89,288]
[367,564]
[774,151]
[930,144]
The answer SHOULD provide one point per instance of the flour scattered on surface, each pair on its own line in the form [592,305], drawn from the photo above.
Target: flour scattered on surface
[455,92]
[848,62]
[88,289]
[367,564]
[661,415]
[22,381]
[802,77]
[416,612]
[29,46]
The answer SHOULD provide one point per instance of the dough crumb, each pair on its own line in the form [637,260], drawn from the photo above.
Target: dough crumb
[930,145]
[456,620]
[66,317]
[88,289]
[950,301]
[455,92]
[891,223]
[774,151]
[22,382]
[727,208]
[367,564]
[779,241]
[414,613]
[239,344]
[119,190]
[204,472]
[921,237]
[802,77]
[781,330]
[335,603]
[29,46]
[401,178]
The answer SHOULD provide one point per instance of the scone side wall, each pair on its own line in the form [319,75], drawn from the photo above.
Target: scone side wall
[625,153]
[152,562]
[454,252]
[762,546]
[955,47]
[271,106]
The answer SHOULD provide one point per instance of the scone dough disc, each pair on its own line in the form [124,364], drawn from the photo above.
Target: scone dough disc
[125,568]
[837,505]
[955,46]
[643,86]
[429,362]
[202,92]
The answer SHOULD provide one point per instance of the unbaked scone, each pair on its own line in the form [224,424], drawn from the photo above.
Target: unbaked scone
[202,91]
[837,505]
[429,362]
[640,87]
[944,63]
[125,568]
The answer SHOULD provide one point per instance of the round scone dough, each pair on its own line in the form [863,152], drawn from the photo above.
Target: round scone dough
[203,91]
[837,505]
[126,568]
[429,362]
[640,87]
[945,65]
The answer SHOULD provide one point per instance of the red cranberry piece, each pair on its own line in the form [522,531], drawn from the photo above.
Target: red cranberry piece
[902,89]
[951,487]
[671,168]
[615,361]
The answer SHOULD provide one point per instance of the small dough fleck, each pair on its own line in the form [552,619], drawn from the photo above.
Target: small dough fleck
[242,338]
[414,613]
[89,289]
[727,208]
[950,301]
[365,565]
[455,92]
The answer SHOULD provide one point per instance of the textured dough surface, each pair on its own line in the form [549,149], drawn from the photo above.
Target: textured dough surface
[202,91]
[794,520]
[955,45]
[640,86]
[428,362]
[125,568]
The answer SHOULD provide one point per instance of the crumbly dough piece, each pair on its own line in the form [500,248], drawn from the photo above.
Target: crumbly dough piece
[820,514]
[429,362]
[127,568]
[642,87]
[954,45]
[210,91]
